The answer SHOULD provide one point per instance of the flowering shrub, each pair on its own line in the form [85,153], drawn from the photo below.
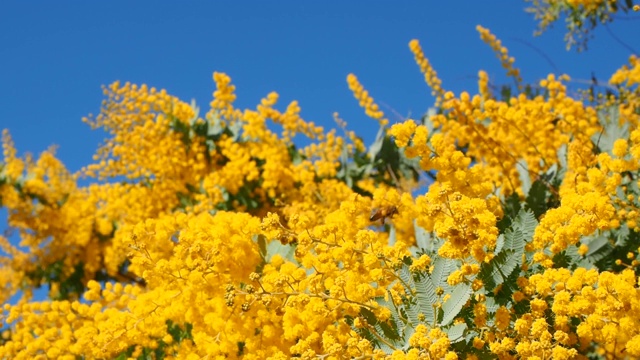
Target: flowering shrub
[214,236]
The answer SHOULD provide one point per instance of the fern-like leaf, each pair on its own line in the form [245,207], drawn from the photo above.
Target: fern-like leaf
[452,307]
[426,297]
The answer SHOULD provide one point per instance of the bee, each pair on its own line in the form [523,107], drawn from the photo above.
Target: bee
[383,213]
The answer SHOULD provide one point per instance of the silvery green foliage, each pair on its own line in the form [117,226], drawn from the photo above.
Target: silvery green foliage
[419,305]
[509,250]
[382,158]
[423,301]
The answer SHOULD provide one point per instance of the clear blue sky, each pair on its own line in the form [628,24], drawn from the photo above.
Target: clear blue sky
[55,56]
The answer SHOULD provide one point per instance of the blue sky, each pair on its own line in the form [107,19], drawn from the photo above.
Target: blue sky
[56,55]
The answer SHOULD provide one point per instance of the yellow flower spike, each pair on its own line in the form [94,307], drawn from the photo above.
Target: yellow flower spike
[430,75]
[483,85]
[12,167]
[502,54]
[224,96]
[366,101]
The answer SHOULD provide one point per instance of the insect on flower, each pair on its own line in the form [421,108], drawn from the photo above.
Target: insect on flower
[383,213]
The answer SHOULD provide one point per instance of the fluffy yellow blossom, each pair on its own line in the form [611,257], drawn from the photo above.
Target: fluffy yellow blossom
[430,75]
[503,55]
[366,101]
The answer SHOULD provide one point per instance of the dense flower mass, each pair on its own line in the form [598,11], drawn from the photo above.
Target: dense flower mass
[494,227]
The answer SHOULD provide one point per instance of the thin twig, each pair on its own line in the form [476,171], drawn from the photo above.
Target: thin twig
[397,114]
[540,52]
[622,43]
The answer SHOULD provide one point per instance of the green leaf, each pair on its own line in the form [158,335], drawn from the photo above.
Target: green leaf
[527,223]
[177,332]
[426,297]
[442,268]
[236,131]
[499,244]
[407,334]
[525,178]
[562,157]
[426,119]
[575,259]
[295,155]
[537,198]
[287,251]
[407,278]
[215,128]
[599,246]
[507,288]
[343,172]
[411,310]
[562,259]
[456,332]
[392,235]
[261,240]
[375,148]
[491,305]
[499,269]
[509,255]
[512,206]
[423,237]
[196,112]
[451,308]
[514,241]
[622,236]
[612,129]
[181,128]
[185,200]
[126,354]
[389,330]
